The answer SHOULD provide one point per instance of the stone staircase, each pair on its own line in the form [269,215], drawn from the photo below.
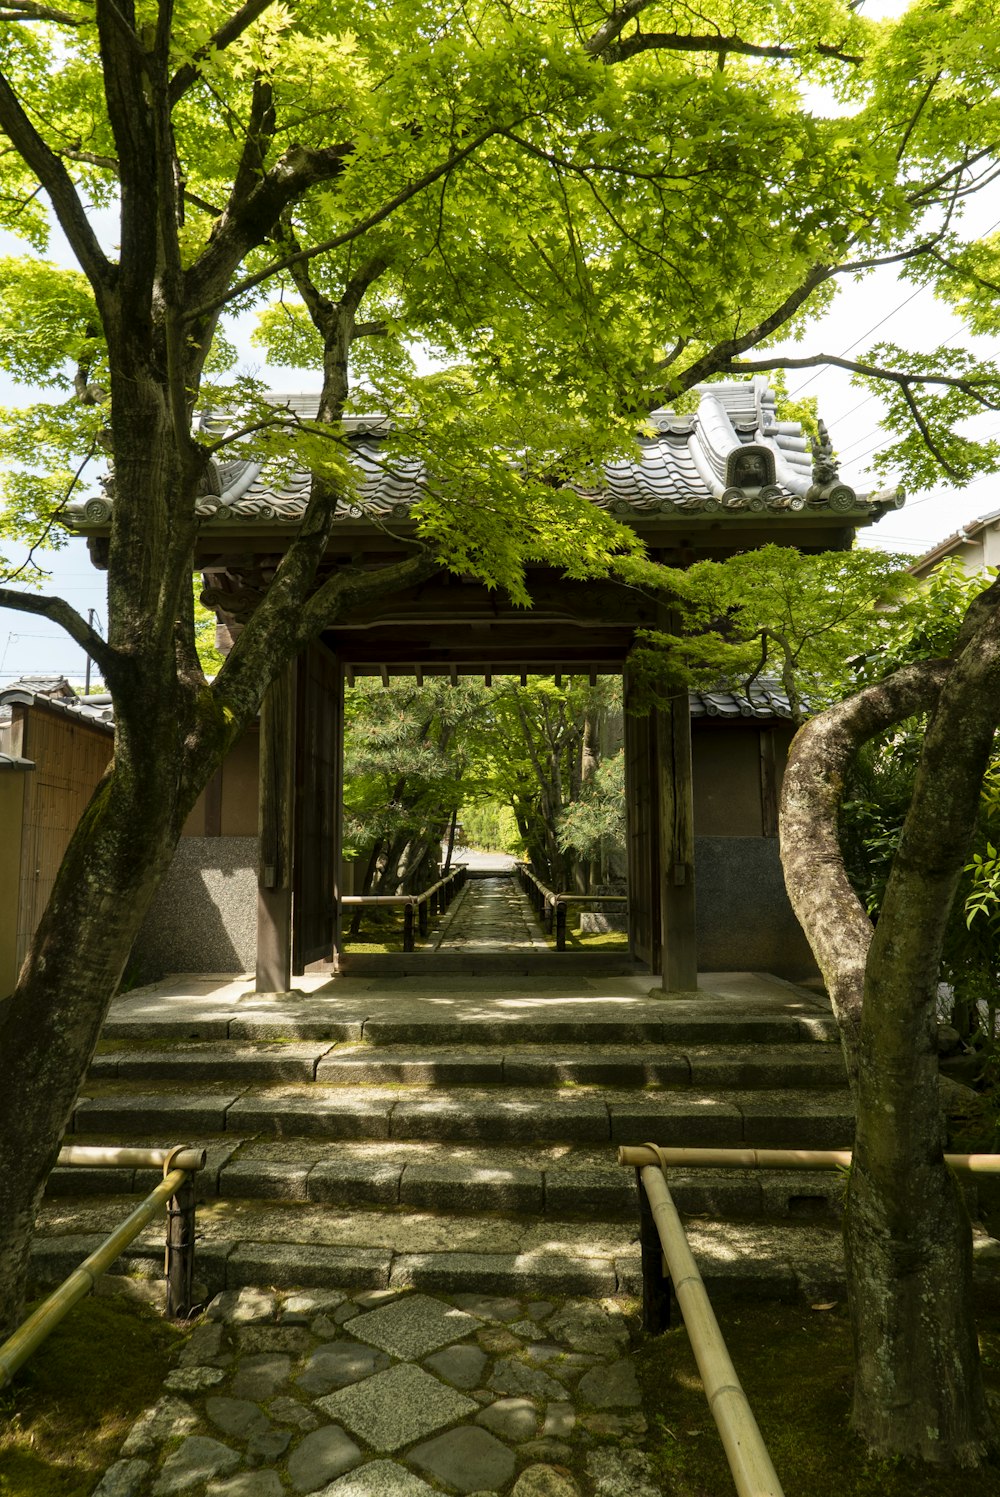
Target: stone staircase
[460,1135]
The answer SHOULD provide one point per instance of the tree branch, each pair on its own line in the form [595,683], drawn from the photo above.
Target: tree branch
[55,179]
[287,180]
[217,42]
[833,918]
[672,41]
[61,613]
[27,10]
[872,371]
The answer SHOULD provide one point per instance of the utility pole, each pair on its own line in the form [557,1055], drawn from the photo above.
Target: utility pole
[91,616]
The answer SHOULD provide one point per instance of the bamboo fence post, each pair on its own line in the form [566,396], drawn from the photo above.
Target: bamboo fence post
[180,1251]
[408,927]
[655,1280]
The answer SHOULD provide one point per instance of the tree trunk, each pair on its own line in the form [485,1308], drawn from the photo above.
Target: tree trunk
[918,1384]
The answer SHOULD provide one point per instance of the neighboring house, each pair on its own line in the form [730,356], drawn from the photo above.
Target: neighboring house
[54,747]
[976,546]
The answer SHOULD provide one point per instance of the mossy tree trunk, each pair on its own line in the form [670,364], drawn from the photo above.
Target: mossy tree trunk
[918,1385]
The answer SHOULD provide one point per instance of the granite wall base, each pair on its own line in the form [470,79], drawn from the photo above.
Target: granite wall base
[204,916]
[745,921]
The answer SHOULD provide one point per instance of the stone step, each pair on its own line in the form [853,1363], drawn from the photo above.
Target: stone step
[313,1247]
[465,1180]
[734,1066]
[516,1021]
[817,1118]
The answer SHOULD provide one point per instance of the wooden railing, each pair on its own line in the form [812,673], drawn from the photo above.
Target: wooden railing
[551,907]
[175,1191]
[417,908]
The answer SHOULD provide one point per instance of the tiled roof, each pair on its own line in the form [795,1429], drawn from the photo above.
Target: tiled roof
[953,542]
[761,699]
[96,711]
[732,455]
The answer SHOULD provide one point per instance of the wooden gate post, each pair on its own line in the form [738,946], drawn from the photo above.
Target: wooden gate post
[678,932]
[274,876]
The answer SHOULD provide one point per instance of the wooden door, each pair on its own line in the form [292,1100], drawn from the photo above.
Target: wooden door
[316,862]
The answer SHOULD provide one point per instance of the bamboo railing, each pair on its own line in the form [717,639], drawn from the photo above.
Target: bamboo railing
[668,1267]
[175,1191]
[417,907]
[552,907]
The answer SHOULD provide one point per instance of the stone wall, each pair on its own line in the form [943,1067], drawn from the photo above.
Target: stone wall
[745,921]
[204,916]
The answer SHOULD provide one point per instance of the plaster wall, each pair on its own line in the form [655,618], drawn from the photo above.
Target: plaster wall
[745,921]
[204,915]
[12,797]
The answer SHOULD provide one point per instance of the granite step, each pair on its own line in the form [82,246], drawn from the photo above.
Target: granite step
[312,1247]
[556,1024]
[733,1066]
[465,1180]
[817,1118]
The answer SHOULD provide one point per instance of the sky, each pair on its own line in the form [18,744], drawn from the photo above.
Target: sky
[882,306]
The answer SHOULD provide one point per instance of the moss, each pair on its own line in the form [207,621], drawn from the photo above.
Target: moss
[795,1364]
[63,1419]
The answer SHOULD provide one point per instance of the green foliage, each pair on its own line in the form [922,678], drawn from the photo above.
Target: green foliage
[594,825]
[771,612]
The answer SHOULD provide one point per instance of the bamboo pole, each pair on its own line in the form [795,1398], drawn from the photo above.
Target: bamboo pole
[29,1336]
[635,1156]
[749,1462]
[134,1159]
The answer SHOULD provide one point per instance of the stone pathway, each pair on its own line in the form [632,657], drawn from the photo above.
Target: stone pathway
[491,914]
[389,1394]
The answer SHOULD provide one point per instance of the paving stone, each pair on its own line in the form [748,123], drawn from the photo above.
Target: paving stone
[460,1365]
[498,1340]
[539,1309]
[553,1452]
[324,1328]
[332,1367]
[261,1377]
[379,1479]
[526,1328]
[395,1407]
[620,1473]
[513,1419]
[321,1457]
[374,1299]
[488,1309]
[560,1419]
[525,1118]
[614,1426]
[290,1411]
[611,1387]
[466,1459]
[196,1460]
[203,1345]
[123,1479]
[345,1313]
[267,1445]
[263,1180]
[246,1306]
[273,1338]
[414,1326]
[167,1420]
[300,1309]
[235,1416]
[513,1377]
[247,1484]
[544,1481]
[535,1273]
[588,1327]
[193,1379]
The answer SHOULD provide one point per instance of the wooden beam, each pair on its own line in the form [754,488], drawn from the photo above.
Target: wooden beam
[383,671]
[274,876]
[419,673]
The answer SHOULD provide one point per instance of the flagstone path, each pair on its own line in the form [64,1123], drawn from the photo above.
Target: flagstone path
[491,914]
[394,1394]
